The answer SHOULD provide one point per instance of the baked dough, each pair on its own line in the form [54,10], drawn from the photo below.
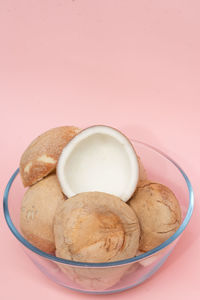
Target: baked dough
[41,156]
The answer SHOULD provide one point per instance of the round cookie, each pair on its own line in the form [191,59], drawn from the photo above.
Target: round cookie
[158,212]
[38,208]
[41,156]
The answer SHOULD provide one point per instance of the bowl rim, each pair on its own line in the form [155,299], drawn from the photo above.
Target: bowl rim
[184,223]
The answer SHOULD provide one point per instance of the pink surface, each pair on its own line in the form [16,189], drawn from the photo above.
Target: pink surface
[134,65]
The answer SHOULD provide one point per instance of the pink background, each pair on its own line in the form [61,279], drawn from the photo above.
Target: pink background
[131,64]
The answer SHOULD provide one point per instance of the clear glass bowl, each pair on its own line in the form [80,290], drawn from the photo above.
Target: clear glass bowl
[102,278]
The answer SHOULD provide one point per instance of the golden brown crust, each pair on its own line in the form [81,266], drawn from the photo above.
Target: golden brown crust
[38,208]
[41,156]
[158,212]
[96,227]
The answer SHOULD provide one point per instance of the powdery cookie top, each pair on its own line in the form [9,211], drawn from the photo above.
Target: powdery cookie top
[41,156]
[96,227]
[38,208]
[158,212]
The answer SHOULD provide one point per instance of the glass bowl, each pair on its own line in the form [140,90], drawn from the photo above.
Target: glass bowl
[102,278]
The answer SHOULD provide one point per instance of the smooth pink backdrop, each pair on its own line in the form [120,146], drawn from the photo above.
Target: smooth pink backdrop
[134,65]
